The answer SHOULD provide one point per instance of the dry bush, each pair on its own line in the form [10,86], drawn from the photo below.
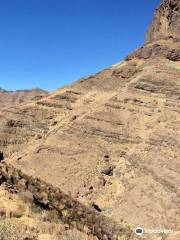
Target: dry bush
[50,216]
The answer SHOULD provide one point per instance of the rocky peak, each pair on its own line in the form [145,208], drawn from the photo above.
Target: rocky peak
[166,22]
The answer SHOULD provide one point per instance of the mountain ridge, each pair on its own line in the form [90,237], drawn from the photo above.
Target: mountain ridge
[10,98]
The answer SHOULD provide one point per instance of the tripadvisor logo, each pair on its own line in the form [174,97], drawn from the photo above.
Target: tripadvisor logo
[139,231]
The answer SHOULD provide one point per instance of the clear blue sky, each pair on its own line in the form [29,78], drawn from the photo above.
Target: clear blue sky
[49,43]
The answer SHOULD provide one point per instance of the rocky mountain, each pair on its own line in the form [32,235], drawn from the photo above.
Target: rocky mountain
[166,22]
[110,142]
[11,98]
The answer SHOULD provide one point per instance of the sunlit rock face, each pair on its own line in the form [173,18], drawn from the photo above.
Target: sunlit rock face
[166,22]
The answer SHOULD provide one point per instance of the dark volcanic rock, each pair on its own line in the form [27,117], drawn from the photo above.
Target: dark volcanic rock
[108,171]
[155,50]
[174,55]
[1,156]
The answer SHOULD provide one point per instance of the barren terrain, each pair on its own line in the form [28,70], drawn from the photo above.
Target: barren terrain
[110,140]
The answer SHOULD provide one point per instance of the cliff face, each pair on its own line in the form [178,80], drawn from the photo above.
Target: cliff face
[166,22]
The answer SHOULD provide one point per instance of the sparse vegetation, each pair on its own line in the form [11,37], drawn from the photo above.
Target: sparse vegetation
[19,221]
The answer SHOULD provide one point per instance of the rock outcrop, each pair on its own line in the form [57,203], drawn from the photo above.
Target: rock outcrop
[166,22]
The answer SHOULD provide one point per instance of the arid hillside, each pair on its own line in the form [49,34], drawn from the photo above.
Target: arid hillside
[111,140]
[11,98]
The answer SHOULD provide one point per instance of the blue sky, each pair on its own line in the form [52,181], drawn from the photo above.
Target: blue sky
[50,43]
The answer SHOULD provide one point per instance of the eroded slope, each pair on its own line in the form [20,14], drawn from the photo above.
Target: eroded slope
[117,146]
[111,140]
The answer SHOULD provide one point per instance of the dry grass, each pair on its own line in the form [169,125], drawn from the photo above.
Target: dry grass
[19,221]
